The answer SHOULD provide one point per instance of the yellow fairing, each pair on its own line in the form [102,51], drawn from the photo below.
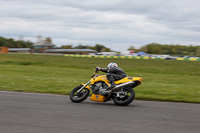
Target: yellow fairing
[124,80]
[127,79]
[138,78]
[100,78]
[98,98]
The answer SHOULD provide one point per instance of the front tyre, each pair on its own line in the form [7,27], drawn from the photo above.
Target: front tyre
[127,99]
[76,96]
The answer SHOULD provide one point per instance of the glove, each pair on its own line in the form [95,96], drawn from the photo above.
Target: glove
[98,69]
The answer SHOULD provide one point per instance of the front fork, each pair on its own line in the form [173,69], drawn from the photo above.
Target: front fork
[84,87]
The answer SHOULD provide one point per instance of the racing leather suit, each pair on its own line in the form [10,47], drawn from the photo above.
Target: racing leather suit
[113,74]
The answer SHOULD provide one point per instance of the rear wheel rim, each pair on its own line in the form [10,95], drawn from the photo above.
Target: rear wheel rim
[128,95]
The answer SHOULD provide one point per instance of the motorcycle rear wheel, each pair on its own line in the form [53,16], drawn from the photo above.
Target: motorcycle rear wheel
[78,97]
[127,99]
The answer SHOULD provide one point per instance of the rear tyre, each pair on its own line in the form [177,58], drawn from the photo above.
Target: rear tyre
[130,96]
[76,96]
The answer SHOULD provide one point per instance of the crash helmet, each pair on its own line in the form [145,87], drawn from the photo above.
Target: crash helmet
[112,64]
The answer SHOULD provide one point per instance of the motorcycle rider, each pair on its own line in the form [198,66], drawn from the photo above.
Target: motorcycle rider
[113,73]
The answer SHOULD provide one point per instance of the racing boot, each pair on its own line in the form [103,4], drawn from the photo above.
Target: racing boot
[112,87]
[109,90]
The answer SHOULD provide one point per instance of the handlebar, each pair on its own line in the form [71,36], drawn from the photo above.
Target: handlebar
[95,72]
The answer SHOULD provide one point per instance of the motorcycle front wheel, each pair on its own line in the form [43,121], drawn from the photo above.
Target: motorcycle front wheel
[127,99]
[76,96]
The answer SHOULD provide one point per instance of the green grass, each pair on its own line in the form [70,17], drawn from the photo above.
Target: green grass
[164,80]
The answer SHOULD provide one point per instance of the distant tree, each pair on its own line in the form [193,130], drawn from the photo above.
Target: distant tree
[156,48]
[132,48]
[198,51]
[142,49]
[99,48]
[80,46]
[173,51]
[106,50]
[153,48]
[11,43]
[2,41]
[48,39]
[66,47]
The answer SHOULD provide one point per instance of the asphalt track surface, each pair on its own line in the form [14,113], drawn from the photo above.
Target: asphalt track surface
[38,113]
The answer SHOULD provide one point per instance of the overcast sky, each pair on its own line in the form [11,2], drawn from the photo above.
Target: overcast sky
[116,24]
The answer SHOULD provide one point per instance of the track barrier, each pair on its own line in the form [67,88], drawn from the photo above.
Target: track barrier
[127,57]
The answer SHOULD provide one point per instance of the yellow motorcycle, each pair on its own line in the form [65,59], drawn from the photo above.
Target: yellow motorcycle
[122,95]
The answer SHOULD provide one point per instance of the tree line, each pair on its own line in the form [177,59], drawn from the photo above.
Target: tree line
[11,43]
[152,48]
[181,50]
[97,47]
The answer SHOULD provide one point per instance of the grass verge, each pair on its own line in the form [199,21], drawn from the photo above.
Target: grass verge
[164,80]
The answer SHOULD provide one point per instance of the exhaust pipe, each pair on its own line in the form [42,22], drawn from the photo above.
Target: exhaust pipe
[124,84]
